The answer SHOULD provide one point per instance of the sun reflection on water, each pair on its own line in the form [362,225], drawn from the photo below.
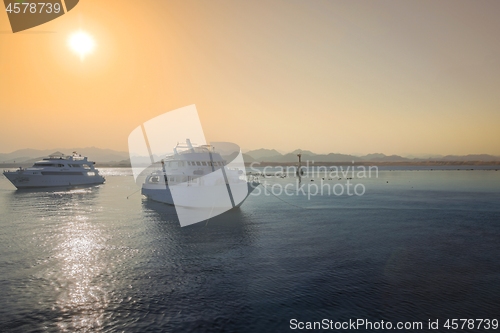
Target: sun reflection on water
[81,300]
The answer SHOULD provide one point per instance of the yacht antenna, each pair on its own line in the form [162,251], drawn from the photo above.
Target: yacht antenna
[188,142]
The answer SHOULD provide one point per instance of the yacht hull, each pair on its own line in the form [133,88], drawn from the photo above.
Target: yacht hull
[22,180]
[197,195]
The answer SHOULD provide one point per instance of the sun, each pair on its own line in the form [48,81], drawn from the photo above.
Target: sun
[81,43]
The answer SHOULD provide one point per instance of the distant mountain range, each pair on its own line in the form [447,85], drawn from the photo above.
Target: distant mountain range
[271,155]
[113,157]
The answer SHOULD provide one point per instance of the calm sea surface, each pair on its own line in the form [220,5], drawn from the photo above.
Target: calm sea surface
[418,245]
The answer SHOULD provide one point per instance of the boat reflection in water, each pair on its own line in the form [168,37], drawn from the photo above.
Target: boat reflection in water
[203,238]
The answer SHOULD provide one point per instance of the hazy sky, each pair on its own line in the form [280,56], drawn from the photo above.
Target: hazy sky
[397,77]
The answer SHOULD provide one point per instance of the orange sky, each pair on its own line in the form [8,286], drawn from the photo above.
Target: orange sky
[397,77]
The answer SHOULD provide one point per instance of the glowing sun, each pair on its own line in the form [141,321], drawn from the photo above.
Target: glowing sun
[81,43]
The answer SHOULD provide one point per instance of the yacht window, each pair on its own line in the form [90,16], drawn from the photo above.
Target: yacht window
[85,166]
[61,165]
[171,179]
[204,163]
[198,163]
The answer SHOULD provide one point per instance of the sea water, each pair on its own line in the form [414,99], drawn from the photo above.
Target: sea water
[417,245]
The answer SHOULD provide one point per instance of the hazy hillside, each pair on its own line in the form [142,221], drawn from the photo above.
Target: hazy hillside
[478,157]
[95,154]
[273,156]
[262,154]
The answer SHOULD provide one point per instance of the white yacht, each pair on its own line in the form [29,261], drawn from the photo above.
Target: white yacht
[198,177]
[56,170]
